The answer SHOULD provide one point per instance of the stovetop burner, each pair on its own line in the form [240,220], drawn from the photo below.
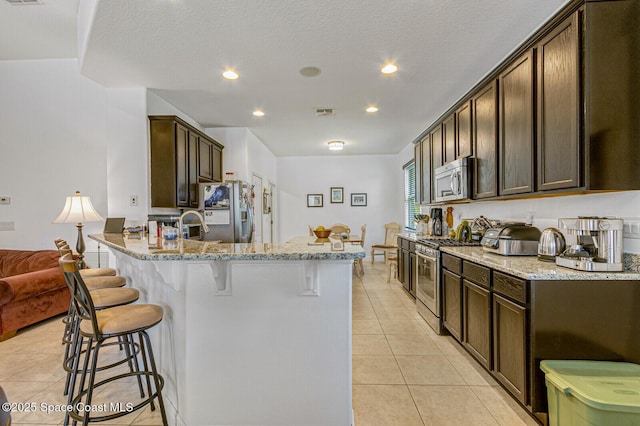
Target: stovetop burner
[436,242]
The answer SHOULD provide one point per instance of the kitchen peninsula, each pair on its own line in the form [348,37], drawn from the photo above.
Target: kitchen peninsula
[252,333]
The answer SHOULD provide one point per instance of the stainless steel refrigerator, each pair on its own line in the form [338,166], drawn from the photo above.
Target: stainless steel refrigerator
[227,208]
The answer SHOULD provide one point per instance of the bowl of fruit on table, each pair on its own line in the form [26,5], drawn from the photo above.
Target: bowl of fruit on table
[322,232]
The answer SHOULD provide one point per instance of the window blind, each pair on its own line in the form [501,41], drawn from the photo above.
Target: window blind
[409,194]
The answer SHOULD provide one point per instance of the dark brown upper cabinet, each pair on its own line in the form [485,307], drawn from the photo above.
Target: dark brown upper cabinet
[558,78]
[181,157]
[485,138]
[210,155]
[417,160]
[436,154]
[449,139]
[464,145]
[426,169]
[516,148]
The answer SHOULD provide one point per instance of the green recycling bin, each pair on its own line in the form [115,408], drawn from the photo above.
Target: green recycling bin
[597,393]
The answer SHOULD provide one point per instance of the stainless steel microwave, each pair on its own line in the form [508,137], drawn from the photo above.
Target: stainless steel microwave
[452,181]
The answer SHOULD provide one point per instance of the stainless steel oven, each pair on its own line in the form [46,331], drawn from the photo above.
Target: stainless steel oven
[427,280]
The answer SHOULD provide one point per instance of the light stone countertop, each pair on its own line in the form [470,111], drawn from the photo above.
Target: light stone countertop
[298,248]
[530,268]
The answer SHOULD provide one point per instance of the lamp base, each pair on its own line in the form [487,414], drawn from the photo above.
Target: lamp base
[80,247]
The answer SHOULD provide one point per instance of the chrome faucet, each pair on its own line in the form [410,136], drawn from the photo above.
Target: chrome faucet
[198,215]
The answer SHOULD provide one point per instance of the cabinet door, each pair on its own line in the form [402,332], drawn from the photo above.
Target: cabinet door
[182,166]
[485,138]
[452,303]
[436,155]
[412,273]
[477,322]
[426,169]
[205,156]
[559,107]
[510,346]
[406,270]
[449,139]
[516,127]
[417,159]
[216,161]
[401,266]
[464,145]
[194,142]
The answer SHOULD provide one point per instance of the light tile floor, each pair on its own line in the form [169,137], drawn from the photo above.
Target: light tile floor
[403,373]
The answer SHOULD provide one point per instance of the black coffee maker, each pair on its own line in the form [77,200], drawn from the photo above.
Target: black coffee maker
[436,221]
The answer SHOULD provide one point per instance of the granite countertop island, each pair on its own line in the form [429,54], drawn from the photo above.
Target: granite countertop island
[252,333]
[297,248]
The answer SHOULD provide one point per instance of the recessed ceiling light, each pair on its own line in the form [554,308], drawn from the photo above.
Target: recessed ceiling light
[371,109]
[230,74]
[258,113]
[336,145]
[389,68]
[310,71]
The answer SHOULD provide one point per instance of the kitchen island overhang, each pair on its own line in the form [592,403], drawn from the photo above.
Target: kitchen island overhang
[252,333]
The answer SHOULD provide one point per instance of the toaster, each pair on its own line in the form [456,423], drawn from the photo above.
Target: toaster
[511,239]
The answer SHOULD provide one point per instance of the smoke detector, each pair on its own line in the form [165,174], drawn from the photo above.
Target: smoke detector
[324,112]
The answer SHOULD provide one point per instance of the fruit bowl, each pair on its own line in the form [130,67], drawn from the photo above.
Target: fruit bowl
[323,233]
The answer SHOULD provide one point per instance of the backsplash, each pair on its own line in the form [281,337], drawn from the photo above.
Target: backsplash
[631,262]
[544,212]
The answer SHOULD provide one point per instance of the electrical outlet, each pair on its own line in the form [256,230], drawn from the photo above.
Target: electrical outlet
[631,228]
[530,215]
[133,200]
[5,200]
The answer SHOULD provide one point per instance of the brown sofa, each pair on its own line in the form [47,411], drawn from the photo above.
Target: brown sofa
[32,288]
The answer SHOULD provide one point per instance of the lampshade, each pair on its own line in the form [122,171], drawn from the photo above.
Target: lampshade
[78,209]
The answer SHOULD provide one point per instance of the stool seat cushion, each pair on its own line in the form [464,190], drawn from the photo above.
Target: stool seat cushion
[94,283]
[97,272]
[110,297]
[124,319]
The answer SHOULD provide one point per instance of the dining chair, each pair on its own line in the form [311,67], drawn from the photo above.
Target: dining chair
[339,229]
[391,230]
[358,264]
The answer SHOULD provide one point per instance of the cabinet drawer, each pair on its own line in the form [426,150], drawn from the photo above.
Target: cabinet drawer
[476,273]
[412,247]
[510,287]
[452,263]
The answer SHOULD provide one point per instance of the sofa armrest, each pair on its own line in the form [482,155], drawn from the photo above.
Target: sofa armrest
[22,286]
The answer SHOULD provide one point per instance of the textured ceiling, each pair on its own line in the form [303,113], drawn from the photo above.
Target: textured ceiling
[178,49]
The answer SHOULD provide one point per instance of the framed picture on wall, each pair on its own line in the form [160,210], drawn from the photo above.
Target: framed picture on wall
[314,200]
[358,199]
[337,195]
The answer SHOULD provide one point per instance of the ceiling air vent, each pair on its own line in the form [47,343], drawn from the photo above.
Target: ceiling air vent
[324,112]
[23,2]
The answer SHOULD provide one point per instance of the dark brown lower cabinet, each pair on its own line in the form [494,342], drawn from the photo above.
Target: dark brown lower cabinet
[510,346]
[452,303]
[477,322]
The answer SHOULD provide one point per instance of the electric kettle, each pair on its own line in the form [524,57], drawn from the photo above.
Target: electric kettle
[551,244]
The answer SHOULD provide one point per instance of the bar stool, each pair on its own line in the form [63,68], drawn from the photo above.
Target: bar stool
[96,327]
[103,298]
[90,272]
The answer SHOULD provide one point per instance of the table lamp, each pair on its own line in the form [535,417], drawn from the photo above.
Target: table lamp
[78,209]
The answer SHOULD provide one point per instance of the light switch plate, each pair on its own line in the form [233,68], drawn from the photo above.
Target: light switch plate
[7,226]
